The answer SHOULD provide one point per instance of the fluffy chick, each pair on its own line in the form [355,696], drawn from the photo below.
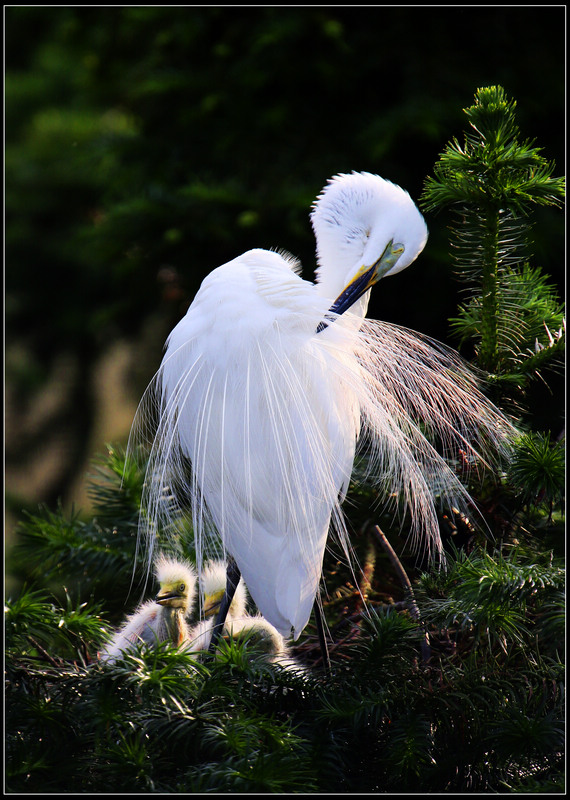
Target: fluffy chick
[213,584]
[263,638]
[163,618]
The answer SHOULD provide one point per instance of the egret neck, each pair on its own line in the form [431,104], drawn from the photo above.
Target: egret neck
[174,603]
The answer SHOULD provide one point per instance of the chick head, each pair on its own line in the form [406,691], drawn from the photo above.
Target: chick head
[213,580]
[177,581]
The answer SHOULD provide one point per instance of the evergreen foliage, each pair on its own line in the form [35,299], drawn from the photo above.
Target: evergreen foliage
[512,314]
[492,182]
[461,690]
[538,470]
[480,709]
[484,713]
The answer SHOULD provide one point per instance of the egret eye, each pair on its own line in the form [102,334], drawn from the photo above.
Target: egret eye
[182,587]
[398,249]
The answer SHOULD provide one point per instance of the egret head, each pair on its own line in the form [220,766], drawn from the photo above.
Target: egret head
[366,229]
[177,581]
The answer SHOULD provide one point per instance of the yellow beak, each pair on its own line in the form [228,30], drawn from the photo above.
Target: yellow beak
[163,597]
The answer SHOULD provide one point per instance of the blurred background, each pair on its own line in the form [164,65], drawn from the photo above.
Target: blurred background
[144,146]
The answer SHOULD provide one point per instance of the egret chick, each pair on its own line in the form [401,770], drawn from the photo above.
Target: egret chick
[264,639]
[163,618]
[213,587]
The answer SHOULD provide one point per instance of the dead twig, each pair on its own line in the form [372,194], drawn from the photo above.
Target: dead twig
[411,600]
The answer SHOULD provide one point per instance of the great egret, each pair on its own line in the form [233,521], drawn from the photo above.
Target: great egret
[270,383]
[163,618]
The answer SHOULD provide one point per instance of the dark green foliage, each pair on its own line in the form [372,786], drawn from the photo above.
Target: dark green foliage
[494,601]
[512,315]
[33,623]
[538,470]
[469,697]
[99,556]
[492,182]
[476,706]
[492,168]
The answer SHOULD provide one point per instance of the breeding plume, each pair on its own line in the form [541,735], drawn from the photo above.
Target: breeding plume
[270,384]
[161,619]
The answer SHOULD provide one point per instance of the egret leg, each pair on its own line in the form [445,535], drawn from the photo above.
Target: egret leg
[322,636]
[233,576]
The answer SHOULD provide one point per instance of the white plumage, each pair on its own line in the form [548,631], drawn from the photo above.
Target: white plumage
[353,219]
[163,618]
[261,407]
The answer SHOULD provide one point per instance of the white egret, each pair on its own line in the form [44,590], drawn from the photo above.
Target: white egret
[267,388]
[163,618]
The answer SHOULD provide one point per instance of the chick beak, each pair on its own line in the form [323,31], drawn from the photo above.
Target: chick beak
[164,597]
[212,608]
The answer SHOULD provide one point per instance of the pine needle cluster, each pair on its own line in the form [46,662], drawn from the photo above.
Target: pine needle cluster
[469,697]
[492,181]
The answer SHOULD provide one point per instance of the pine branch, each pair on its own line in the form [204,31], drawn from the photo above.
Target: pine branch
[493,181]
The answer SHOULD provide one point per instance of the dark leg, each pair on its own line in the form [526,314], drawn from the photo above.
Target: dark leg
[322,638]
[233,575]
